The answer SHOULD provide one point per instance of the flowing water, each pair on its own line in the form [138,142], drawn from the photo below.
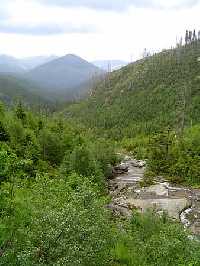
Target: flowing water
[181,203]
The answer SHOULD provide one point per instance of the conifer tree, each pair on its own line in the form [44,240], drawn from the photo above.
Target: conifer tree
[199,35]
[190,36]
[20,112]
[194,37]
[3,134]
[186,37]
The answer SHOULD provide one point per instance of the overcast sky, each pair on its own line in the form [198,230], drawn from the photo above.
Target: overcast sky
[93,29]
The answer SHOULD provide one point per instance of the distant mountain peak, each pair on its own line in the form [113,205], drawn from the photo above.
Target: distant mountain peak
[65,73]
[69,74]
[72,55]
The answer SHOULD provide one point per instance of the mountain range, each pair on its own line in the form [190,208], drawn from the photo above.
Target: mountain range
[52,78]
[64,73]
[32,62]
[9,64]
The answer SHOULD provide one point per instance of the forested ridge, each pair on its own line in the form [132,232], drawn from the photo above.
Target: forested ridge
[54,168]
[152,107]
[145,96]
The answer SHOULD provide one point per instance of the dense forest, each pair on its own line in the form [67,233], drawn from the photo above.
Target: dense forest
[152,108]
[53,198]
[54,168]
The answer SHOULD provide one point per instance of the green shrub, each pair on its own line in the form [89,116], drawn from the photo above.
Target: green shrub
[55,222]
[178,158]
[138,146]
[82,162]
[149,240]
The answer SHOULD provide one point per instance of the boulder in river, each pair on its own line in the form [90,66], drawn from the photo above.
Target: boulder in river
[181,203]
[171,206]
[121,169]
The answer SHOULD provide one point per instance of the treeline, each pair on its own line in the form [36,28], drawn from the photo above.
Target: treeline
[146,96]
[143,100]
[191,36]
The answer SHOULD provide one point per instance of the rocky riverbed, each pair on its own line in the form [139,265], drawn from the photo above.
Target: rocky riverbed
[181,203]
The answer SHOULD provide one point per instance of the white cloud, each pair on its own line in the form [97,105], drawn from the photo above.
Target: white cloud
[34,19]
[119,5]
[92,33]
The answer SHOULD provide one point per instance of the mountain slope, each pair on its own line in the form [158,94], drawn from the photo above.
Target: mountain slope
[146,96]
[11,65]
[12,88]
[63,74]
[32,62]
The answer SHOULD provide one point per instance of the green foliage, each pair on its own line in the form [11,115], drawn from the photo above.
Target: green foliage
[51,211]
[3,133]
[81,161]
[20,112]
[178,158]
[15,88]
[138,146]
[93,160]
[6,162]
[12,167]
[53,169]
[54,222]
[104,152]
[150,240]
[51,147]
[147,96]
[160,152]
[53,141]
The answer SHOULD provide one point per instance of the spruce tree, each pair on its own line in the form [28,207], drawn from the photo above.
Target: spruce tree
[186,37]
[194,37]
[199,35]
[190,36]
[4,136]
[20,112]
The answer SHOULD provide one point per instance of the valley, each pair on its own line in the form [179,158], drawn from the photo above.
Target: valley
[53,79]
[101,168]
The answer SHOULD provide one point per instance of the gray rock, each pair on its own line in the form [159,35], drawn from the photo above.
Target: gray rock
[119,210]
[172,206]
[181,203]
[121,169]
[138,163]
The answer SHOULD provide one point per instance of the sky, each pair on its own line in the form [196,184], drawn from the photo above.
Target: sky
[94,29]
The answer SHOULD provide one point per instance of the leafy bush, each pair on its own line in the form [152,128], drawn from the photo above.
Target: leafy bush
[82,161]
[91,159]
[49,216]
[54,222]
[138,146]
[178,158]
[150,240]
